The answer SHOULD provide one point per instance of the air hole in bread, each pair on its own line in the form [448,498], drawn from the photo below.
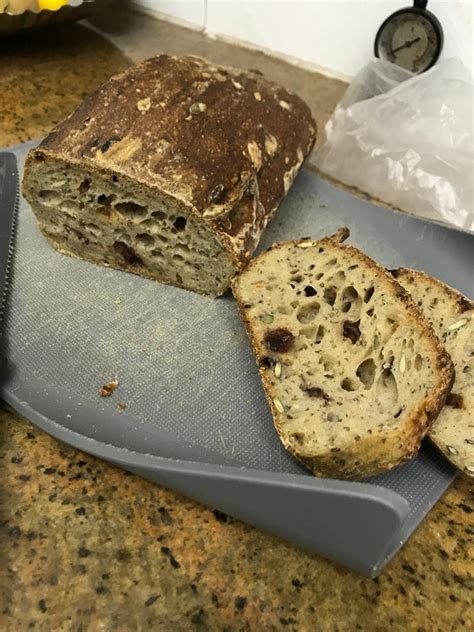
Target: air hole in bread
[297,278]
[106,200]
[319,275]
[84,186]
[339,278]
[327,362]
[393,323]
[387,389]
[330,295]
[366,372]
[349,294]
[320,334]
[157,254]
[369,292]
[285,309]
[418,362]
[309,291]
[182,249]
[145,240]
[50,198]
[131,209]
[308,313]
[158,215]
[348,384]
[308,332]
[180,223]
[127,253]
[297,436]
[349,298]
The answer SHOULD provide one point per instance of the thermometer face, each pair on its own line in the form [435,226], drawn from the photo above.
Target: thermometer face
[411,39]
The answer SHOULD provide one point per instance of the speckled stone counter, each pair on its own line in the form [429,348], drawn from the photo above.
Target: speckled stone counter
[86,547]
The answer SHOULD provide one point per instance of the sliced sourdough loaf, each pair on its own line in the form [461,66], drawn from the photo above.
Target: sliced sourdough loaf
[452,316]
[352,371]
[171,170]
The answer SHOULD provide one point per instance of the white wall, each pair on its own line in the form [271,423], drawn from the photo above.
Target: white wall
[189,12]
[337,35]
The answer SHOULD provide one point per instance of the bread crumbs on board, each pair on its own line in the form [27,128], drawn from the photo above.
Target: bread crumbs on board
[107,389]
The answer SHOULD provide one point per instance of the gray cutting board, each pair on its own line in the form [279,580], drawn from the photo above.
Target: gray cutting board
[196,418]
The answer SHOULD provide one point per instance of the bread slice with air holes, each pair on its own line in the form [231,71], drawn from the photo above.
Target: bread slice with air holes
[452,316]
[352,371]
[170,170]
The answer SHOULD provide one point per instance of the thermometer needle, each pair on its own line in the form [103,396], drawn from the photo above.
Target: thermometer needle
[405,45]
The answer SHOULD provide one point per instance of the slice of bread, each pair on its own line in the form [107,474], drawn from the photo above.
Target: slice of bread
[452,317]
[352,371]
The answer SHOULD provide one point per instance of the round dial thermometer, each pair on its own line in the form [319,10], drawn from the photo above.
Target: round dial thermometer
[411,38]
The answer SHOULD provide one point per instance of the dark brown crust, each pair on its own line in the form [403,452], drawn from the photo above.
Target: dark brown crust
[352,463]
[248,142]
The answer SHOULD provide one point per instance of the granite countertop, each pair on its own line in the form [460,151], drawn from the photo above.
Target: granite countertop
[86,546]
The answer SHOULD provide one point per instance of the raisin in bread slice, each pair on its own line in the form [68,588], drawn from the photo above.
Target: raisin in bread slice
[452,316]
[171,170]
[352,371]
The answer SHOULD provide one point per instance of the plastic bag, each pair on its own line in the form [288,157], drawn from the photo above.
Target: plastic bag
[407,140]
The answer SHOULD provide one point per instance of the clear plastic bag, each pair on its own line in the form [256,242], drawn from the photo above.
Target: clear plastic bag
[407,140]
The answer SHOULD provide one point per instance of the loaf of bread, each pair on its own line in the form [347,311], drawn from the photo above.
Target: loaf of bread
[352,371]
[452,316]
[171,170]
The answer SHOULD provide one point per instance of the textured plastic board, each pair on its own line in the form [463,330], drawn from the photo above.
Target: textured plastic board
[196,418]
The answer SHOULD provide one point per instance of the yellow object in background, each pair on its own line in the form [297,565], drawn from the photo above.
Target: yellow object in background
[51,5]
[16,7]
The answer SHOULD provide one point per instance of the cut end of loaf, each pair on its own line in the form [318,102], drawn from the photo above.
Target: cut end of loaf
[353,374]
[107,219]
